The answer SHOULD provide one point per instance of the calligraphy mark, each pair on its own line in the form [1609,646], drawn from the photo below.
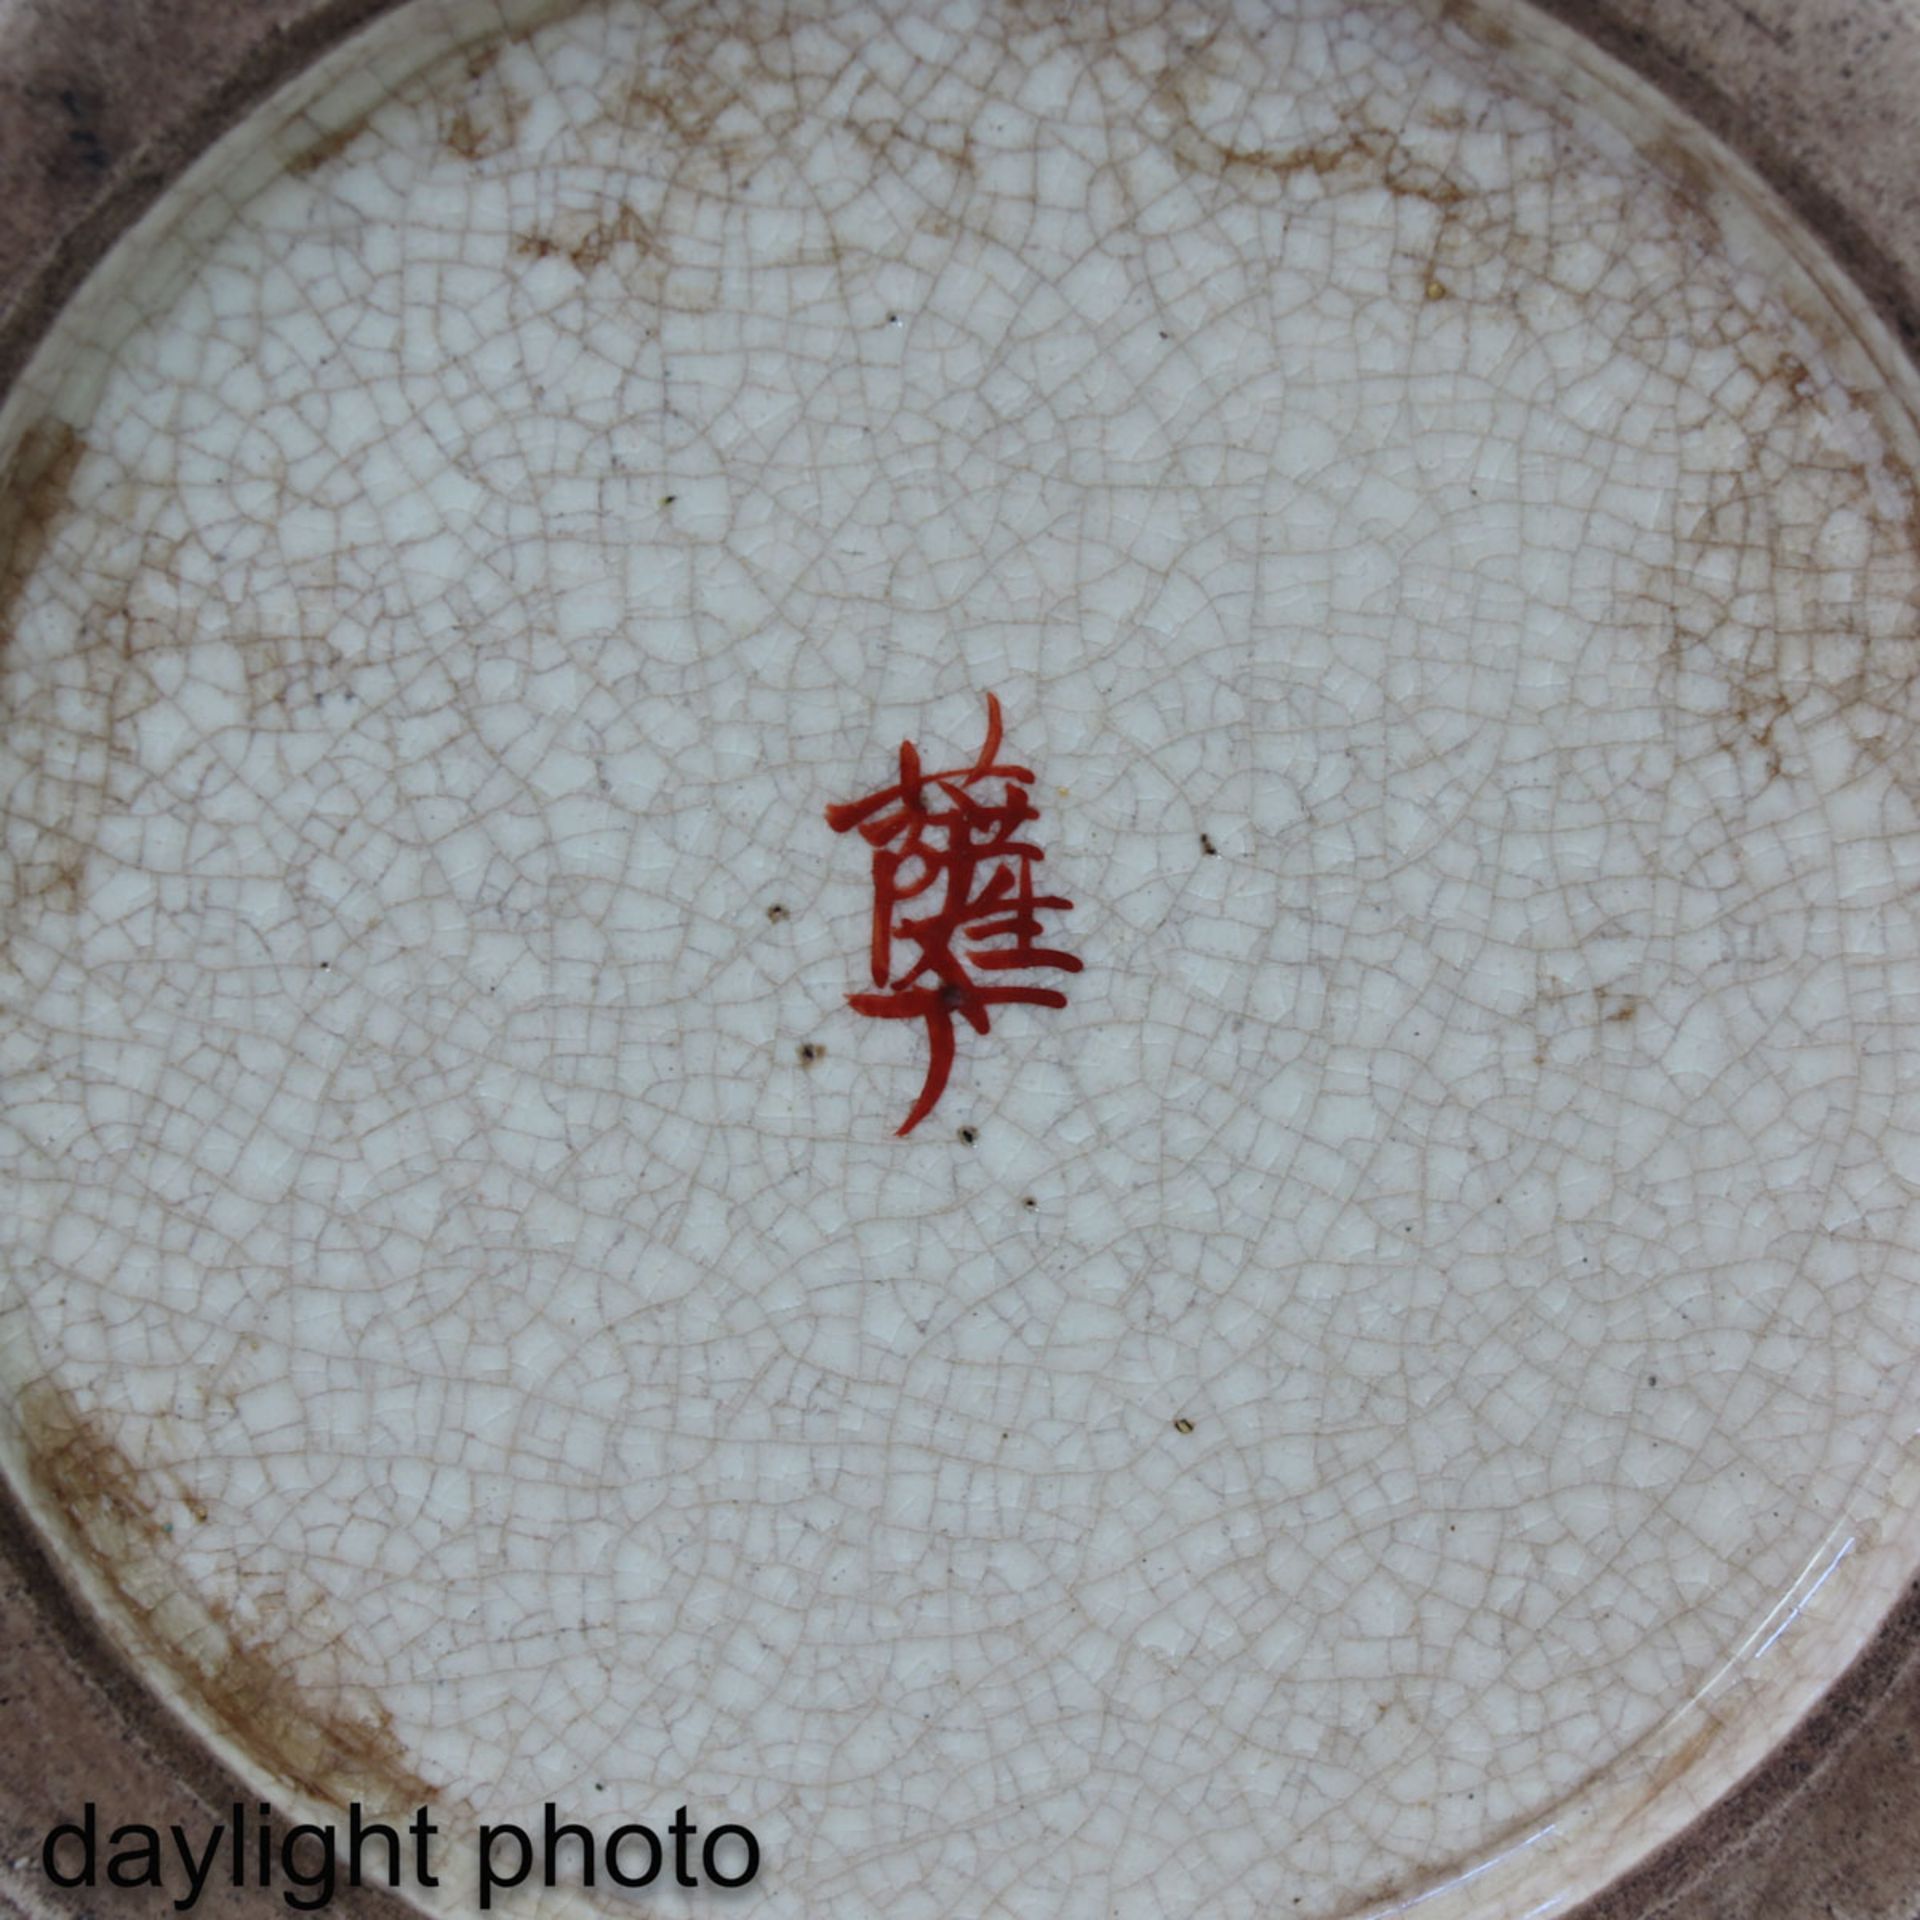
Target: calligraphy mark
[942,841]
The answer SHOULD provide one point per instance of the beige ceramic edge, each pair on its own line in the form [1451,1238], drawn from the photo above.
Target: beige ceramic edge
[102,102]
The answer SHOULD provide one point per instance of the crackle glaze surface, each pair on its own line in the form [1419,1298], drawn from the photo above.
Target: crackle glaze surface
[1408,1376]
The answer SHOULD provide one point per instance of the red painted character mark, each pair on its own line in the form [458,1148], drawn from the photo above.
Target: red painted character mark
[942,839]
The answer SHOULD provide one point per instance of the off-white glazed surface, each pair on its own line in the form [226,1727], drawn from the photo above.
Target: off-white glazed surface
[1337,450]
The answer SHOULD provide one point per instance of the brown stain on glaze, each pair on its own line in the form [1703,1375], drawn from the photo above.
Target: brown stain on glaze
[49,870]
[486,123]
[1791,375]
[330,146]
[1677,1764]
[1483,23]
[1369,154]
[33,496]
[110,1514]
[1077,24]
[55,825]
[1823,663]
[1819,662]
[478,65]
[687,92]
[473,137]
[715,100]
[590,243]
[1691,183]
[289,675]
[890,143]
[1363,153]
[54,883]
